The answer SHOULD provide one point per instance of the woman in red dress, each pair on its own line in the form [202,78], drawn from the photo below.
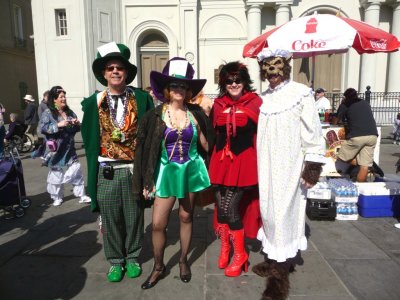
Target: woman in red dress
[233,165]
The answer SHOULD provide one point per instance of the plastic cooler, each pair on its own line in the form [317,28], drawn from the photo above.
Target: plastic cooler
[379,199]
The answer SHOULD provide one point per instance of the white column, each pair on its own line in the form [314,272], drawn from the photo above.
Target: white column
[368,61]
[189,33]
[394,58]
[282,14]
[254,30]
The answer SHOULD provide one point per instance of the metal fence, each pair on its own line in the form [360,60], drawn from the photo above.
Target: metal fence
[385,106]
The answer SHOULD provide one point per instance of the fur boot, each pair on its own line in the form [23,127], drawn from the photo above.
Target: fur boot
[277,279]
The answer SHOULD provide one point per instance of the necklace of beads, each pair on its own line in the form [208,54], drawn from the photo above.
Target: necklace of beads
[113,112]
[178,131]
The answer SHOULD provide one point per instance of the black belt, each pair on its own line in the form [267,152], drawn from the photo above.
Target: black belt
[115,163]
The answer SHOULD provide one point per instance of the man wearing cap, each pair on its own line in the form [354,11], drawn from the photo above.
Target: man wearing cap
[31,117]
[289,158]
[361,133]
[109,129]
[321,102]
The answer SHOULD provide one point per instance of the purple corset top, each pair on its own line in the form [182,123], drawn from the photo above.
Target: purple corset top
[177,143]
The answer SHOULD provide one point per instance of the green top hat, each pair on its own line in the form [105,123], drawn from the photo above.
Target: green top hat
[109,52]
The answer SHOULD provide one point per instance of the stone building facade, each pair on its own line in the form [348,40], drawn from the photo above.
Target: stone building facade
[207,32]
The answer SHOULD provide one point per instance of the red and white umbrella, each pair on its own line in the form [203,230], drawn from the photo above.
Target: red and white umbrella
[323,34]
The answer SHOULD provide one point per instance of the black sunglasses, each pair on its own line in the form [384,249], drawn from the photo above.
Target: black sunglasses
[180,85]
[231,81]
[111,68]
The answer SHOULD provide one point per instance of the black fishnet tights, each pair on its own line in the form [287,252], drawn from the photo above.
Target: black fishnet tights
[228,200]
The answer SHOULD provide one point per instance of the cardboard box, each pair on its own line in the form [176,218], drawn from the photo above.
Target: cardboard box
[346,211]
[346,199]
[319,193]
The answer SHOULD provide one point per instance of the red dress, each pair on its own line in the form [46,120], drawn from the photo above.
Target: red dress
[234,159]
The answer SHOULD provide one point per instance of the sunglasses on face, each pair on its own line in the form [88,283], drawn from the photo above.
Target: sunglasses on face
[178,85]
[111,68]
[231,81]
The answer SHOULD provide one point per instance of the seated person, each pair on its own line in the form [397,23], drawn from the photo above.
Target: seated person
[15,128]
[396,130]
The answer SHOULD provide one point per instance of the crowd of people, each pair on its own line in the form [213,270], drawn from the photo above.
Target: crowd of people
[56,125]
[258,152]
[158,149]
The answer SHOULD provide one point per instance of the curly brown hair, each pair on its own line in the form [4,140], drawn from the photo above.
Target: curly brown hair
[233,69]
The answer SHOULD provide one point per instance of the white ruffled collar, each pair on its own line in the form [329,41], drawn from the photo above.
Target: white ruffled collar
[271,90]
[283,98]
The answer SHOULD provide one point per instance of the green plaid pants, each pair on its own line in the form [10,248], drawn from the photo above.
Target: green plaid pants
[122,217]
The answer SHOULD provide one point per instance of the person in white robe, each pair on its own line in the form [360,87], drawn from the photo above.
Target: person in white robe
[289,158]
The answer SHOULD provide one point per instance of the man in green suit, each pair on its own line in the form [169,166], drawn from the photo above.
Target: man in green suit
[109,129]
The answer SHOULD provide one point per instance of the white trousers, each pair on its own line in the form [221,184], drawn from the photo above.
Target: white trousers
[57,178]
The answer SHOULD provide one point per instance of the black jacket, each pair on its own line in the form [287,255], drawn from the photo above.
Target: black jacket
[30,114]
[148,141]
[359,117]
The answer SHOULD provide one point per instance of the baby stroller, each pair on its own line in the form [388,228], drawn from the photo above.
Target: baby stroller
[13,198]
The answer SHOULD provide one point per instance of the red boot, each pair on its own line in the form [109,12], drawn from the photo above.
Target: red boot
[240,257]
[223,233]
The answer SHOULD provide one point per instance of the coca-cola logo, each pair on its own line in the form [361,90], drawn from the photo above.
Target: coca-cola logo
[379,44]
[251,50]
[300,45]
[311,26]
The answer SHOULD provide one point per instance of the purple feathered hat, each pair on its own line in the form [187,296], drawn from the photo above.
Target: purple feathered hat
[176,69]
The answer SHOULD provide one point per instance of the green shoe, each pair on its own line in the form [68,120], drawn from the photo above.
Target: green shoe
[115,274]
[133,270]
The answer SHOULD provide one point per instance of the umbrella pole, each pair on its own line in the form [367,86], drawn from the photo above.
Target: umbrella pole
[312,71]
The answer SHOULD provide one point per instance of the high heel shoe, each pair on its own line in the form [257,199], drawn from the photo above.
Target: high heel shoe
[149,284]
[240,257]
[223,233]
[185,277]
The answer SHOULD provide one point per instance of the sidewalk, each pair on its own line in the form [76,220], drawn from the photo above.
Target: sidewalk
[56,253]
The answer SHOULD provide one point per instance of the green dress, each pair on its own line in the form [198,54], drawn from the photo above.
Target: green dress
[181,170]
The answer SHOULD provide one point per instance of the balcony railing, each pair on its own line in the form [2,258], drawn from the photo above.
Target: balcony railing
[385,106]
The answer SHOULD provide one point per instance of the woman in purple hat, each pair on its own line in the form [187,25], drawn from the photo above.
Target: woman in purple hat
[172,143]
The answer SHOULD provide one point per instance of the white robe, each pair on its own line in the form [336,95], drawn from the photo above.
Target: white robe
[289,132]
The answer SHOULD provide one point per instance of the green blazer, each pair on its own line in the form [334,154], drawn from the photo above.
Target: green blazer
[91,136]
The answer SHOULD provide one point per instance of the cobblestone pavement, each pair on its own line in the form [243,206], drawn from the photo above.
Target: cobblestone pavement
[56,253]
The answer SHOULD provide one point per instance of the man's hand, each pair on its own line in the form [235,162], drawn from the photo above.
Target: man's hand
[147,194]
[75,121]
[310,174]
